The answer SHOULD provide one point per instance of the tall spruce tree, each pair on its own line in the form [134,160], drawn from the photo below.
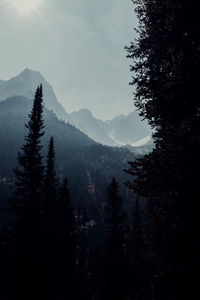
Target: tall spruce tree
[166,63]
[114,274]
[137,280]
[82,270]
[26,203]
[66,209]
[50,200]
[30,170]
[66,243]
[49,220]
[50,181]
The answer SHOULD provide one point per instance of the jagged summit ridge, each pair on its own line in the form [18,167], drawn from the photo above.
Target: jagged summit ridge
[25,85]
[122,130]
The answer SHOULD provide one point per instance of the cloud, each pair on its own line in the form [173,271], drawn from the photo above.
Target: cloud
[78,45]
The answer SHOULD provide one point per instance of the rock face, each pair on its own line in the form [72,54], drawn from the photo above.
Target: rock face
[120,131]
[94,128]
[129,129]
[25,85]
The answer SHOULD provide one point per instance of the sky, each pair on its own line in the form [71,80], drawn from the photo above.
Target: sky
[77,45]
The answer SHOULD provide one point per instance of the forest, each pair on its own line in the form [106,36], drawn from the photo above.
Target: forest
[80,220]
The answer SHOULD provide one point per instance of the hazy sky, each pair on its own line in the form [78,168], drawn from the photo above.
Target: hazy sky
[77,45]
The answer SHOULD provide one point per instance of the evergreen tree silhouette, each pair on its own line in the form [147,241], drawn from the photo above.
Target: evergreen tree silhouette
[165,64]
[49,219]
[30,170]
[26,203]
[81,278]
[66,240]
[50,180]
[50,192]
[138,275]
[114,274]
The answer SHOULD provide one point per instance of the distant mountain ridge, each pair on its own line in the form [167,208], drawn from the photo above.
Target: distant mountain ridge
[120,131]
[85,121]
[76,154]
[129,129]
[25,85]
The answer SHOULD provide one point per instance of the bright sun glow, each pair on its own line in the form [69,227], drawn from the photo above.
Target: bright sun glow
[26,7]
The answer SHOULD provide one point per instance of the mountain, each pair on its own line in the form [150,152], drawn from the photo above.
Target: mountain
[78,157]
[25,85]
[119,131]
[122,130]
[86,122]
[111,125]
[128,129]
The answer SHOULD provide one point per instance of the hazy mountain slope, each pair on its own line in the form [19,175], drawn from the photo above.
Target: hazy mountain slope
[119,131]
[122,130]
[76,154]
[129,129]
[13,114]
[111,125]
[25,85]
[86,122]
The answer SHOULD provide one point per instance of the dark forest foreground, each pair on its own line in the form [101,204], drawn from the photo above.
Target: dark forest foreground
[145,248]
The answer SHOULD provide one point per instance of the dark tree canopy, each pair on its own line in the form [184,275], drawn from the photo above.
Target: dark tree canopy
[166,61]
[26,204]
[165,65]
[114,256]
[50,190]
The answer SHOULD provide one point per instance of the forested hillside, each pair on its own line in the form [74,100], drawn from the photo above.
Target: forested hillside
[76,154]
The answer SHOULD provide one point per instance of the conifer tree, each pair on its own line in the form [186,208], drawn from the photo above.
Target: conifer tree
[114,274]
[81,277]
[30,170]
[66,209]
[165,63]
[50,201]
[50,182]
[138,276]
[66,241]
[66,226]
[27,201]
[49,220]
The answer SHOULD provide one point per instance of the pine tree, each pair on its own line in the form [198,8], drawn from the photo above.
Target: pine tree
[66,243]
[66,226]
[114,274]
[49,220]
[82,278]
[66,209]
[137,280]
[30,170]
[166,62]
[26,203]
[50,188]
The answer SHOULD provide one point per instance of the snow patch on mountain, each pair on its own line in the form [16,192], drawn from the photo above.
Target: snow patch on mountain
[142,141]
